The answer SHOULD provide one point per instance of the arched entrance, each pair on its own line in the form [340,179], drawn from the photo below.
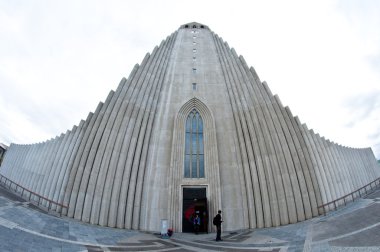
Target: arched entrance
[193,173]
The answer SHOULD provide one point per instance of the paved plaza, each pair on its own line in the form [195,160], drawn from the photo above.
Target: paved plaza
[23,227]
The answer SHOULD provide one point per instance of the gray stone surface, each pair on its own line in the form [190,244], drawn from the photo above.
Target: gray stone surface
[352,228]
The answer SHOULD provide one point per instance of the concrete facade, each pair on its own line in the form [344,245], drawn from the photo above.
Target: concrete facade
[124,165]
[3,149]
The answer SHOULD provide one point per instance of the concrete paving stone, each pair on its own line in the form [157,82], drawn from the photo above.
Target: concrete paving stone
[3,202]
[366,238]
[325,247]
[350,222]
[373,195]
[355,228]
[10,195]
[354,249]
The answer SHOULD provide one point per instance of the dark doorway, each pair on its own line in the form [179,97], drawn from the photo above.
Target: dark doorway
[194,202]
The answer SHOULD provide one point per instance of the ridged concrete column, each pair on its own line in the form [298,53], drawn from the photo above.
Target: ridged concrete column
[124,215]
[28,152]
[91,171]
[374,163]
[68,182]
[263,104]
[122,145]
[355,168]
[297,182]
[33,165]
[147,218]
[154,85]
[11,160]
[27,180]
[363,160]
[344,161]
[255,102]
[54,169]
[76,170]
[367,166]
[309,198]
[286,164]
[50,168]
[345,177]
[117,213]
[102,156]
[252,130]
[32,149]
[352,165]
[62,165]
[325,165]
[254,203]
[17,176]
[256,118]
[88,159]
[318,166]
[254,165]
[343,172]
[37,173]
[137,212]
[312,164]
[111,154]
[71,151]
[333,169]
[43,170]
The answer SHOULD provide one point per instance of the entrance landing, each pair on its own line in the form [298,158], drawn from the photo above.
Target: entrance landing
[353,228]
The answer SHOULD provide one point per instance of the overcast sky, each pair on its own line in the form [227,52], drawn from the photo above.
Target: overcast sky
[58,59]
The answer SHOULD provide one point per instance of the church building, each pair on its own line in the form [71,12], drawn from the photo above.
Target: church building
[192,130]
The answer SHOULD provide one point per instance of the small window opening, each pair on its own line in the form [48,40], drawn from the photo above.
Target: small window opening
[194,86]
[202,26]
[194,70]
[194,43]
[194,58]
[186,26]
[194,50]
[194,26]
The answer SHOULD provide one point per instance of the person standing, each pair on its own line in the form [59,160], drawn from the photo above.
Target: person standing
[197,223]
[218,223]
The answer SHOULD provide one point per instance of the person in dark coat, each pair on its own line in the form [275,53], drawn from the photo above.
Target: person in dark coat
[218,224]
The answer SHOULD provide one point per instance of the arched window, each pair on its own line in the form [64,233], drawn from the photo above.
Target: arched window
[194,154]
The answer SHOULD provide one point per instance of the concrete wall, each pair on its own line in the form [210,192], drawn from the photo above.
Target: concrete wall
[123,165]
